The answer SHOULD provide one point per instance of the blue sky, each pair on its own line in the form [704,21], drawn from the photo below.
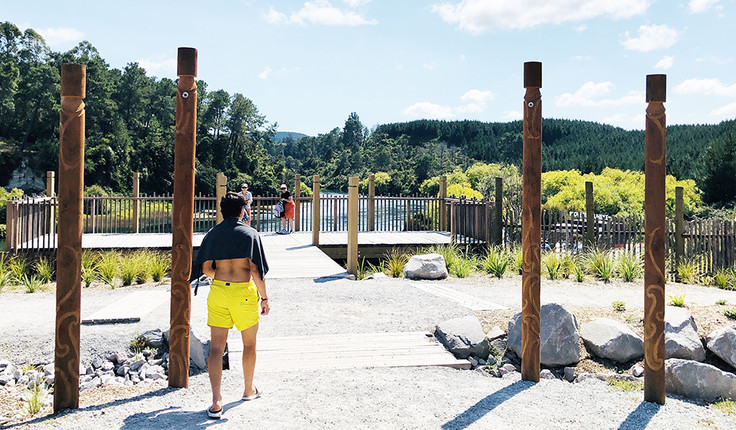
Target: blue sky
[308,65]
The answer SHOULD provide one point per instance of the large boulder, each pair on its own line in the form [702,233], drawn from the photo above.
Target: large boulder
[428,266]
[699,381]
[723,344]
[611,339]
[560,340]
[681,338]
[463,337]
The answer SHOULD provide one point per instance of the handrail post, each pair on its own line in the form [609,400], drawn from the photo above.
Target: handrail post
[9,225]
[679,225]
[498,213]
[220,191]
[315,210]
[297,204]
[654,239]
[136,202]
[531,223]
[353,225]
[453,222]
[68,254]
[590,241]
[371,202]
[183,217]
[443,203]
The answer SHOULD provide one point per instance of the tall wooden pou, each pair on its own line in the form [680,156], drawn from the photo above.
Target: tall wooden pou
[183,210]
[655,239]
[69,251]
[531,223]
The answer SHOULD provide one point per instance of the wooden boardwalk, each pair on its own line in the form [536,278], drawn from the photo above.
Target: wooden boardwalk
[346,351]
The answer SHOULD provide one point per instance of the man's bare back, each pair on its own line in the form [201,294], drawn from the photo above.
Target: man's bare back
[236,270]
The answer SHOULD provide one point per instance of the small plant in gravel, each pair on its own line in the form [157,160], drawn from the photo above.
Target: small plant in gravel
[129,268]
[32,283]
[89,267]
[722,279]
[451,254]
[721,302]
[568,264]
[144,259]
[19,267]
[601,264]
[35,397]
[159,265]
[496,261]
[463,267]
[629,266]
[45,269]
[731,313]
[516,258]
[626,385]
[579,272]
[395,261]
[618,305]
[553,264]
[365,269]
[138,344]
[677,299]
[107,267]
[726,406]
[687,272]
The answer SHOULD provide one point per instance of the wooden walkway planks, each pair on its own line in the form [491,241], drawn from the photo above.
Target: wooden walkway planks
[131,308]
[346,351]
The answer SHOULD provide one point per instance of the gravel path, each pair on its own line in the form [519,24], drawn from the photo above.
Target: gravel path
[357,398]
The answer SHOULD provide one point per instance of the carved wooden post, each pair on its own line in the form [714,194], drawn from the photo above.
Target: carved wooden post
[353,225]
[69,252]
[654,239]
[589,216]
[371,202]
[50,183]
[679,225]
[315,210]
[183,210]
[443,203]
[297,203]
[498,213]
[136,202]
[531,223]
[220,191]
[50,192]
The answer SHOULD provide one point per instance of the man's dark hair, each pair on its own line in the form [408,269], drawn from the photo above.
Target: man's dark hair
[231,205]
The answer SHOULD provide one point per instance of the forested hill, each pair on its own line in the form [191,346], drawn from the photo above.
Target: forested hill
[567,144]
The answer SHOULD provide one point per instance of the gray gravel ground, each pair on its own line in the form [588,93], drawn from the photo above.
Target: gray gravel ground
[356,398]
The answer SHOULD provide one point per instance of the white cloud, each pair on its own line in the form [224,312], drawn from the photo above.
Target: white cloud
[589,95]
[651,37]
[706,87]
[715,59]
[264,74]
[580,28]
[428,110]
[513,115]
[59,36]
[625,120]
[699,6]
[665,63]
[356,3]
[479,16]
[319,12]
[163,65]
[728,111]
[430,66]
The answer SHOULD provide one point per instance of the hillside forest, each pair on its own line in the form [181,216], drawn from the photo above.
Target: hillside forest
[130,127]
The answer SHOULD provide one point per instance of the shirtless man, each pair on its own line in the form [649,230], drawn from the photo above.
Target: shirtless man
[232,255]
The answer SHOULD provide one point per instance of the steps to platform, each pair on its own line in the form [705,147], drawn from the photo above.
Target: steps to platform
[346,351]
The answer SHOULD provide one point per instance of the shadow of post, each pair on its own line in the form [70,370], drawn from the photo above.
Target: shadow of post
[486,405]
[639,418]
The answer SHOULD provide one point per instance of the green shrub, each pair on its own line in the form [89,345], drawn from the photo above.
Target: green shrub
[677,299]
[726,406]
[625,385]
[463,267]
[31,284]
[568,264]
[108,266]
[129,268]
[496,261]
[629,266]
[721,302]
[553,264]
[395,261]
[516,258]
[579,272]
[45,269]
[451,254]
[601,264]
[159,266]
[687,272]
[618,305]
[731,313]
[19,267]
[721,279]
[89,267]
[35,397]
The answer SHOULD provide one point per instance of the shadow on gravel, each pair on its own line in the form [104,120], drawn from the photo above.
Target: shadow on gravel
[639,418]
[174,417]
[486,405]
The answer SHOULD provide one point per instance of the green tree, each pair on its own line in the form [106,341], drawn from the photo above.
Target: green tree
[719,172]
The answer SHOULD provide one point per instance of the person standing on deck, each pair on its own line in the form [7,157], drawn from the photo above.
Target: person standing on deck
[287,221]
[232,255]
[248,196]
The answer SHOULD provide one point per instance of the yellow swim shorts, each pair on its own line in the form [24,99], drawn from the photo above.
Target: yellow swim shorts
[233,303]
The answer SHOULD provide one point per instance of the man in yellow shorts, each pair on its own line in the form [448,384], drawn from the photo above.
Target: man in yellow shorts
[232,255]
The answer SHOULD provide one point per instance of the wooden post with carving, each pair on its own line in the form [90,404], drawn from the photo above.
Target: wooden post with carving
[183,210]
[136,202]
[69,252]
[315,210]
[371,202]
[654,239]
[589,216]
[353,225]
[297,203]
[531,223]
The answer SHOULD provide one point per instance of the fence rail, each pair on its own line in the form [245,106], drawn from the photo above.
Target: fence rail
[31,223]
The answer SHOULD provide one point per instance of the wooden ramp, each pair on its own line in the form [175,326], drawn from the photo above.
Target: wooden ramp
[346,351]
[294,256]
